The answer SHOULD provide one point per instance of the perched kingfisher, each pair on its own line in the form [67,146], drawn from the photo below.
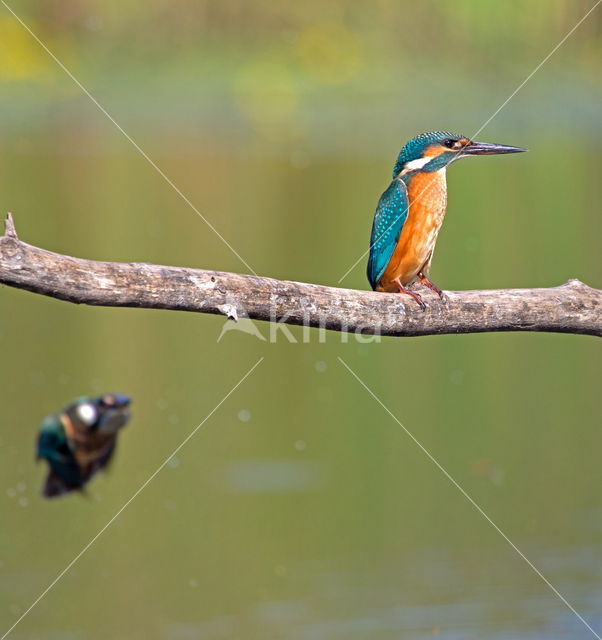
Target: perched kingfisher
[80,440]
[410,212]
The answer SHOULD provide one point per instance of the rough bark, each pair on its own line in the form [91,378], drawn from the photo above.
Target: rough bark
[570,308]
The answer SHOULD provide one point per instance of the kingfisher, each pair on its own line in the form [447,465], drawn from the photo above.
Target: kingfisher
[411,211]
[80,440]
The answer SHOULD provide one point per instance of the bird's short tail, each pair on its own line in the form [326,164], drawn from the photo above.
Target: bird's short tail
[54,486]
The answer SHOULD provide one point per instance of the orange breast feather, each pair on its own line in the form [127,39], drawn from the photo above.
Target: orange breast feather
[427,193]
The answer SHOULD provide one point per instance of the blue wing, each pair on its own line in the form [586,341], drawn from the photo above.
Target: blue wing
[54,447]
[391,214]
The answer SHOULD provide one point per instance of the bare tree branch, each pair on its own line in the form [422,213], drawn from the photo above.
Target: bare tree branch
[571,308]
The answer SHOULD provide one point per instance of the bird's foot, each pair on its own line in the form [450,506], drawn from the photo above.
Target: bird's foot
[423,280]
[412,294]
[431,285]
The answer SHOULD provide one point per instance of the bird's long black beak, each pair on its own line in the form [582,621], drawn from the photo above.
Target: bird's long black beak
[487,149]
[122,400]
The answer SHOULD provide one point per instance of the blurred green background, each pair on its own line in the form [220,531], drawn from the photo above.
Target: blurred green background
[301,510]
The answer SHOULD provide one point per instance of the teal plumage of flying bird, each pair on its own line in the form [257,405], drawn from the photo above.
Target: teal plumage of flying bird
[80,440]
[410,212]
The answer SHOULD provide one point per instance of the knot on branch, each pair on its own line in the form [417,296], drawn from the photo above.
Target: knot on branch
[229,310]
[577,285]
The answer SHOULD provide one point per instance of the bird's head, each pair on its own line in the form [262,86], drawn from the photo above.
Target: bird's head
[436,149]
[106,413]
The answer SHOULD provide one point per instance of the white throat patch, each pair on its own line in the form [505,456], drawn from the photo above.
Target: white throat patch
[416,164]
[87,413]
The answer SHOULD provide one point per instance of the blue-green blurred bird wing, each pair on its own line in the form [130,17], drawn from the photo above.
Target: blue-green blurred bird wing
[391,214]
[52,440]
[54,447]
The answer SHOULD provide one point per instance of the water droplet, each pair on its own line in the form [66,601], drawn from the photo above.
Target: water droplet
[244,415]
[457,376]
[300,445]
[193,582]
[94,23]
[320,366]
[23,501]
[11,493]
[173,462]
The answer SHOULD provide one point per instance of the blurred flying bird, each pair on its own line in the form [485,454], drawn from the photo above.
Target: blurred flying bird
[410,212]
[80,440]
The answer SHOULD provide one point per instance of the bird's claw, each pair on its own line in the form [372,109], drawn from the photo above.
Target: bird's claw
[412,294]
[420,301]
[423,280]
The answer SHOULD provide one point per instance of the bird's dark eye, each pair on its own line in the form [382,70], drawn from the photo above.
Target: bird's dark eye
[450,143]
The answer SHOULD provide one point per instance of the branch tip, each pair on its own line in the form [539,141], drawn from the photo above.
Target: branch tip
[9,227]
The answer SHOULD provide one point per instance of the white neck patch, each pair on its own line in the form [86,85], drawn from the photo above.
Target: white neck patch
[87,413]
[416,164]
